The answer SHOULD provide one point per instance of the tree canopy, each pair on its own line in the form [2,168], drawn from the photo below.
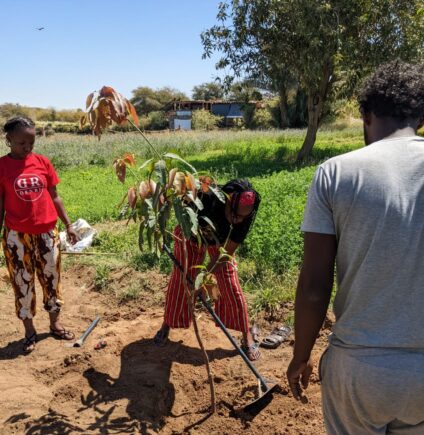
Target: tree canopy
[322,48]
[208,91]
[146,100]
[244,91]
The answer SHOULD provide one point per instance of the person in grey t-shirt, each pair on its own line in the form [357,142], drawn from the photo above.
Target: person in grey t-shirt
[365,213]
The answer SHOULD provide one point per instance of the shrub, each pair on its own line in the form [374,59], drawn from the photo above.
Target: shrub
[157,121]
[205,120]
[263,119]
[144,122]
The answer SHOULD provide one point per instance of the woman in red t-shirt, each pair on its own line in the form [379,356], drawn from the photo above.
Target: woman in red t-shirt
[30,206]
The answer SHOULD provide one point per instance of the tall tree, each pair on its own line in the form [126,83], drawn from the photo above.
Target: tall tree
[208,91]
[244,91]
[147,100]
[324,47]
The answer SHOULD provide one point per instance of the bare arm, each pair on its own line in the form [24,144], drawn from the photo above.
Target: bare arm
[312,299]
[60,209]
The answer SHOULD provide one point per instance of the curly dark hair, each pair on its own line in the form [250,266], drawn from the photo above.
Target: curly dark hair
[395,89]
[13,124]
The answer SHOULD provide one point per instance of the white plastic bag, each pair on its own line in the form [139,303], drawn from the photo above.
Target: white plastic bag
[85,234]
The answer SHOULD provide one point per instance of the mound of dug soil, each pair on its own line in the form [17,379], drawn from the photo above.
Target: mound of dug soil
[131,386]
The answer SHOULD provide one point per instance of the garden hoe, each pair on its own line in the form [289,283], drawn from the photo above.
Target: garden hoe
[265,389]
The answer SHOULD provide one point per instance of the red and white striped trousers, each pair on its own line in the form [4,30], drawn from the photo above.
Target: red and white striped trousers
[230,307]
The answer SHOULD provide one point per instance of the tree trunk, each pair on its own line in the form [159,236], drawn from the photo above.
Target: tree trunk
[314,113]
[316,101]
[284,115]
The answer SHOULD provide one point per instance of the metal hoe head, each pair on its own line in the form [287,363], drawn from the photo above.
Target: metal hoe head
[265,396]
[77,343]
[88,331]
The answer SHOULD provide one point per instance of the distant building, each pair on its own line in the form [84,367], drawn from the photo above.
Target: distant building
[180,112]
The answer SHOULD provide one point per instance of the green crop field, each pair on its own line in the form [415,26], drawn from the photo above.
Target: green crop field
[269,259]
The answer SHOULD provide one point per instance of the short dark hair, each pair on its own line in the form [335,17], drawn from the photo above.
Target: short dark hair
[13,124]
[395,89]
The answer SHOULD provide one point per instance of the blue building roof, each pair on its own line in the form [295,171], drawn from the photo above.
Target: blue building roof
[227,110]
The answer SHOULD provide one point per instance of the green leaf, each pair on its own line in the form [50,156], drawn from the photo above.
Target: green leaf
[177,157]
[149,203]
[178,208]
[218,193]
[152,221]
[199,280]
[196,201]
[187,218]
[222,250]
[147,162]
[183,217]
[224,255]
[210,223]
[164,214]
[161,172]
[156,196]
[193,219]
[144,210]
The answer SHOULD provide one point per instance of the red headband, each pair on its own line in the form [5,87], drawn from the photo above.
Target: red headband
[247,198]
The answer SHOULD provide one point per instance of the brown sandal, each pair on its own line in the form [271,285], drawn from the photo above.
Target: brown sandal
[278,335]
[62,334]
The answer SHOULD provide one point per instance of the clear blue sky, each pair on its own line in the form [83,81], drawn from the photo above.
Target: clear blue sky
[86,44]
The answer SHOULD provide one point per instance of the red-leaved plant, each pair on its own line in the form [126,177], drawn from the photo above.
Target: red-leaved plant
[166,189]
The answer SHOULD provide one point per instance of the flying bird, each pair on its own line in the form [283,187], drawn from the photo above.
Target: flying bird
[40,28]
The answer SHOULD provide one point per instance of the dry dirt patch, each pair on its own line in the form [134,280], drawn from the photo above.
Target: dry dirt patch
[131,386]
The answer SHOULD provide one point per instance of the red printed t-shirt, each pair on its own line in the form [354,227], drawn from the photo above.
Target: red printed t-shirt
[23,184]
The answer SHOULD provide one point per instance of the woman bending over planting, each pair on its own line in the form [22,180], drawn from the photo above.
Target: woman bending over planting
[231,222]
[30,206]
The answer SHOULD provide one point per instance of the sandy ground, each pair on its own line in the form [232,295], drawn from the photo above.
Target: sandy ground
[132,386]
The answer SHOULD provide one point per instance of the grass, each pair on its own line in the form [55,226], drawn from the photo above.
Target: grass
[269,259]
[103,283]
[130,293]
[101,279]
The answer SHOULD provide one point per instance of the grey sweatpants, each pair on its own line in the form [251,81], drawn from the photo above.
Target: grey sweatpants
[372,391]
